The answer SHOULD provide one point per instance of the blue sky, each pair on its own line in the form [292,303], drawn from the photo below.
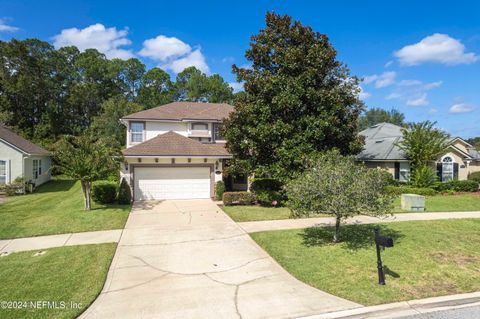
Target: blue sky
[421,57]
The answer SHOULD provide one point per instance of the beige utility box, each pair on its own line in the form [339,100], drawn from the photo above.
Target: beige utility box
[413,202]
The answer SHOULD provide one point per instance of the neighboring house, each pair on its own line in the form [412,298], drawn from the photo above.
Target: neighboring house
[22,158]
[381,151]
[175,151]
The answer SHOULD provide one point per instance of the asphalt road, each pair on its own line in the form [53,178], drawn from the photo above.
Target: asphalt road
[462,313]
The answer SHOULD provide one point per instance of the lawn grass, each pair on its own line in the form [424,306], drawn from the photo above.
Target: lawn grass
[254,213]
[439,203]
[430,258]
[69,274]
[448,203]
[57,207]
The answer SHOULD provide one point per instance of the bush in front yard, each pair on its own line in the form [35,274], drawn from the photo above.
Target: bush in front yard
[269,198]
[219,190]
[270,184]
[104,192]
[238,198]
[268,191]
[399,190]
[124,194]
[474,177]
[457,186]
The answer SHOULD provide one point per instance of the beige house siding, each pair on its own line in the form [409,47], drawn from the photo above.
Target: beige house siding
[474,167]
[14,160]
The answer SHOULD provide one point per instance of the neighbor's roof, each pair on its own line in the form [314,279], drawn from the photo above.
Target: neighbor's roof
[173,144]
[20,143]
[381,143]
[179,111]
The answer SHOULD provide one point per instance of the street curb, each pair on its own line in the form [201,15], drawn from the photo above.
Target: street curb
[405,308]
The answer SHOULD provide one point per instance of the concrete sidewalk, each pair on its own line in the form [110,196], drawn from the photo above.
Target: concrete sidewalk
[70,239]
[252,227]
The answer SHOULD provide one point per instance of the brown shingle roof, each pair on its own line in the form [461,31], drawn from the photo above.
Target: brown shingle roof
[185,111]
[19,142]
[173,144]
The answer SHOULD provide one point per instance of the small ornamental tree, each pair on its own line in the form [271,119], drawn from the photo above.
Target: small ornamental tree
[334,184]
[86,158]
[422,143]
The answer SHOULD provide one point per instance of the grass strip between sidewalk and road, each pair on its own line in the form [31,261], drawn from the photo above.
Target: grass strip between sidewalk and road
[73,275]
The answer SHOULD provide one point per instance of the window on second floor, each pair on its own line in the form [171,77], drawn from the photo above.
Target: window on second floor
[136,132]
[199,127]
[217,127]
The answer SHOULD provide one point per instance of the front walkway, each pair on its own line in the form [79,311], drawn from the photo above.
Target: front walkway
[280,224]
[188,259]
[70,239]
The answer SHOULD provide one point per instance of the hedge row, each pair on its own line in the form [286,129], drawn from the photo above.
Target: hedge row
[238,198]
[474,177]
[108,192]
[399,190]
[457,186]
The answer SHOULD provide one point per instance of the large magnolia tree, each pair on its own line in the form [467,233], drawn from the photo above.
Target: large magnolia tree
[86,158]
[336,185]
[299,100]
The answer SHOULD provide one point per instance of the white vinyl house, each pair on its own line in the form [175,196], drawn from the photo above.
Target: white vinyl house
[22,158]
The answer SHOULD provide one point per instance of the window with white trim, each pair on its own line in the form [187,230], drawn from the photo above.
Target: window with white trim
[35,166]
[199,126]
[447,169]
[3,172]
[136,132]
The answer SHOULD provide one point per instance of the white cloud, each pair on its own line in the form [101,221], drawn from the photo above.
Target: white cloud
[436,48]
[163,48]
[418,101]
[194,58]
[383,80]
[173,54]
[105,40]
[432,111]
[413,92]
[363,95]
[461,108]
[388,64]
[4,27]
[393,96]
[236,86]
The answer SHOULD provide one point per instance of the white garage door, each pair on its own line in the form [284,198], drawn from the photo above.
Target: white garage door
[172,183]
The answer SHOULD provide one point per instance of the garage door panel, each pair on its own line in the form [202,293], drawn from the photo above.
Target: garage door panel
[172,183]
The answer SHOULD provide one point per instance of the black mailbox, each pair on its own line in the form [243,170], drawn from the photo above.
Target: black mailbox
[384,241]
[381,241]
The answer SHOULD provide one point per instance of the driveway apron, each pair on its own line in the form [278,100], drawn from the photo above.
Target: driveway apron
[187,259]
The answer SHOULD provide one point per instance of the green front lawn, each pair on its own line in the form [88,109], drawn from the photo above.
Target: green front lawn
[430,258]
[67,274]
[439,203]
[254,213]
[57,207]
[449,203]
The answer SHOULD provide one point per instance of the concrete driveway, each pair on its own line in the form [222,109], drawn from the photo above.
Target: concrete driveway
[188,259]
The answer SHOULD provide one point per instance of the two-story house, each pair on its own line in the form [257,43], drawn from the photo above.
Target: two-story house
[175,151]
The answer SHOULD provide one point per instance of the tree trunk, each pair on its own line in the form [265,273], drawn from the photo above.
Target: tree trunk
[86,187]
[336,237]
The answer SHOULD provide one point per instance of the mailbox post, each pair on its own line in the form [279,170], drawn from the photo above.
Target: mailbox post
[381,242]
